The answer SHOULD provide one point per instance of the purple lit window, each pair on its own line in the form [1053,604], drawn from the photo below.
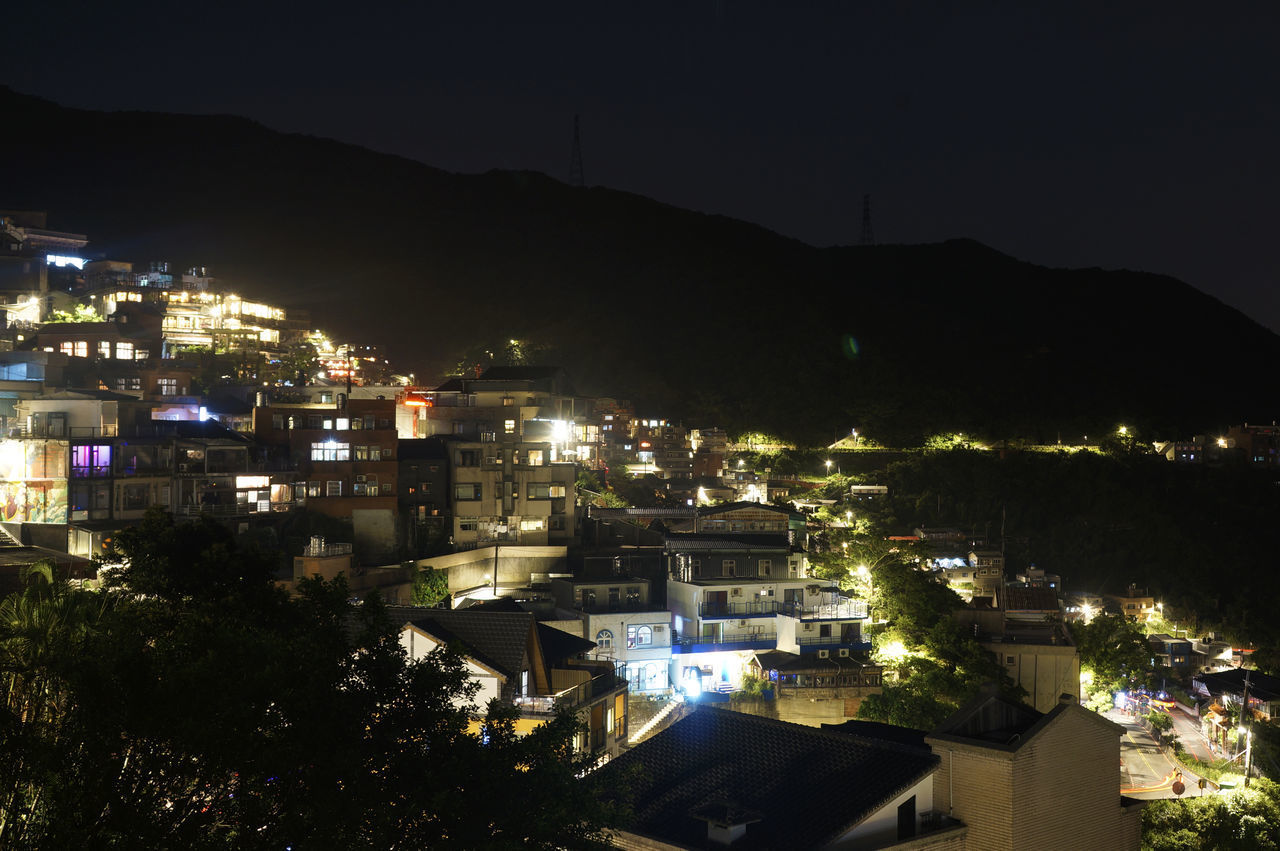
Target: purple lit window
[90,460]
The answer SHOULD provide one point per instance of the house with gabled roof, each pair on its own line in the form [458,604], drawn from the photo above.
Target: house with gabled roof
[720,778]
[1019,778]
[536,668]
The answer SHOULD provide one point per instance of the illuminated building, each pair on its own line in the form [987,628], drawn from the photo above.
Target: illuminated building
[537,669]
[627,628]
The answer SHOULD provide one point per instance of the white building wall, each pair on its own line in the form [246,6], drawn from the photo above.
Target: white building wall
[881,827]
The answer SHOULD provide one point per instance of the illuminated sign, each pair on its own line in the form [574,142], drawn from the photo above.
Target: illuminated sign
[63,260]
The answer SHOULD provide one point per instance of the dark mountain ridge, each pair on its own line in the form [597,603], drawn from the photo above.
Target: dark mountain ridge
[697,316]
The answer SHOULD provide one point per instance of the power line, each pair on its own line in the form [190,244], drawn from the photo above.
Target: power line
[575,158]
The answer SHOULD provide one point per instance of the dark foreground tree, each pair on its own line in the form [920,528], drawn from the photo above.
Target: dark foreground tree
[200,706]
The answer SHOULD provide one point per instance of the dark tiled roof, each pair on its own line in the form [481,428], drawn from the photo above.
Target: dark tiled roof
[1031,599]
[785,662]
[558,645]
[496,639]
[740,541]
[875,730]
[805,786]
[1000,724]
[758,506]
[1261,686]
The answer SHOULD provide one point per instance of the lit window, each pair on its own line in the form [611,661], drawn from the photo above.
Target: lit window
[333,488]
[104,348]
[469,490]
[330,451]
[532,525]
[90,460]
[639,636]
[509,426]
[124,351]
[167,386]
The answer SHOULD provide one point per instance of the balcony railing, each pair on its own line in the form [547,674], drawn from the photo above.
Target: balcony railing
[735,641]
[240,509]
[854,641]
[844,609]
[753,608]
[584,692]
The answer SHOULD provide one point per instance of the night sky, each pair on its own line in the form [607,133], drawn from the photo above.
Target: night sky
[1139,137]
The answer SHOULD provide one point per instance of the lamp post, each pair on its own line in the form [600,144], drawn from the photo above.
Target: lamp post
[828,463]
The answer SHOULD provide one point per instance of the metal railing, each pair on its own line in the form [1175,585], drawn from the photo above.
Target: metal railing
[577,695]
[845,608]
[743,609]
[722,640]
[832,641]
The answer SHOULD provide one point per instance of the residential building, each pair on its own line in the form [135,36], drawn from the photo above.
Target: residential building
[1171,652]
[1228,688]
[345,457]
[1135,604]
[533,667]
[718,778]
[1019,778]
[618,614]
[510,492]
[423,480]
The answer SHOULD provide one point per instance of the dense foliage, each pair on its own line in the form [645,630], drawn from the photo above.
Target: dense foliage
[940,667]
[193,704]
[1245,819]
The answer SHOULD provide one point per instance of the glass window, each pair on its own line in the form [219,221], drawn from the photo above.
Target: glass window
[104,348]
[90,460]
[469,490]
[509,426]
[329,450]
[167,386]
[604,640]
[639,636]
[333,488]
[124,351]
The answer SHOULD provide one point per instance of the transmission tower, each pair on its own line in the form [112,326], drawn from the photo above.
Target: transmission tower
[575,159]
[868,237]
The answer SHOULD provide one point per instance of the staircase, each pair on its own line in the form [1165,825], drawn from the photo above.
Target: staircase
[654,722]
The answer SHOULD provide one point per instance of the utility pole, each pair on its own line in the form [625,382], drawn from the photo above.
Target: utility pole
[1248,732]
[868,237]
[575,158]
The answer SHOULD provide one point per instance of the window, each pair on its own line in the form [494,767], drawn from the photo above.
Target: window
[82,348]
[535,458]
[134,497]
[90,460]
[509,426]
[66,347]
[330,451]
[332,488]
[507,401]
[468,525]
[556,523]
[104,348]
[314,420]
[277,421]
[468,457]
[124,351]
[766,567]
[604,640]
[313,488]
[167,386]
[536,525]
[367,453]
[469,490]
[728,567]
[639,636]
[344,424]
[128,383]
[524,683]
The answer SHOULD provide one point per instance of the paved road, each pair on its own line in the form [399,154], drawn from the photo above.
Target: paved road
[1188,730]
[1144,771]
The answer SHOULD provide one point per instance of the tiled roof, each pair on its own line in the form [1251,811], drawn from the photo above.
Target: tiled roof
[711,510]
[558,645]
[805,786]
[1261,686]
[1031,599]
[496,639]
[688,541]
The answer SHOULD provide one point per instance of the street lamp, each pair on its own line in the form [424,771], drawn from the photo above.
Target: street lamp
[828,463]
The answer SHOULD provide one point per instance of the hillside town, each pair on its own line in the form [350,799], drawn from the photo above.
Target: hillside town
[729,633]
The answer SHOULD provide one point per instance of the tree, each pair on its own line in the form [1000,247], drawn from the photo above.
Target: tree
[217,711]
[430,586]
[1113,656]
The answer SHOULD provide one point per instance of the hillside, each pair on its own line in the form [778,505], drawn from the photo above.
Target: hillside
[699,317]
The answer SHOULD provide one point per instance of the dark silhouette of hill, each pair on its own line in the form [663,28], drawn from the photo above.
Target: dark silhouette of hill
[700,317]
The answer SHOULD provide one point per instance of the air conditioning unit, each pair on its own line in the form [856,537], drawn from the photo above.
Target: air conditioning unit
[742,624]
[360,478]
[823,654]
[737,592]
[843,651]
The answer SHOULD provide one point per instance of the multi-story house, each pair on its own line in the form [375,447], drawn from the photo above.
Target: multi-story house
[89,456]
[1135,604]
[345,457]
[617,613]
[423,480]
[510,492]
[538,669]
[731,597]
[660,448]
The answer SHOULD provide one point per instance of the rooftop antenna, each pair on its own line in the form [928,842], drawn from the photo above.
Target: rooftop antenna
[868,237]
[575,159]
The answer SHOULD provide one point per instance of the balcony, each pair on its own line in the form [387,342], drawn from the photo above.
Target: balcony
[755,608]
[845,609]
[713,643]
[240,509]
[832,642]
[580,695]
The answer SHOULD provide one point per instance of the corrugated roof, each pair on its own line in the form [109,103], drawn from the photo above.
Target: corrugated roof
[805,786]
[497,639]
